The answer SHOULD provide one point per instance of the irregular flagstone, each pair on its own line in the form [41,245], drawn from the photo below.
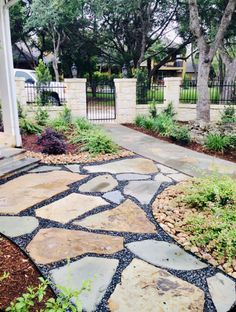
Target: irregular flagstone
[161,178]
[179,177]
[70,207]
[73,168]
[143,191]
[45,169]
[127,217]
[132,176]
[102,183]
[222,290]
[17,226]
[54,244]
[165,255]
[30,189]
[115,197]
[144,287]
[165,169]
[134,165]
[99,270]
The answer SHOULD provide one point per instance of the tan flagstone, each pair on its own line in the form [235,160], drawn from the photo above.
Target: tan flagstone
[54,244]
[127,217]
[144,287]
[70,207]
[30,189]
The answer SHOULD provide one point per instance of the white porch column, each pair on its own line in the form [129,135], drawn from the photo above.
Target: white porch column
[11,135]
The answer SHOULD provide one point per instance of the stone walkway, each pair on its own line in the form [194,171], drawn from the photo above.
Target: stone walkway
[172,155]
[99,216]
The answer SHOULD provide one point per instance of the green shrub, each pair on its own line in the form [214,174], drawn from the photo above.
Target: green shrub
[82,124]
[145,122]
[169,110]
[63,123]
[43,73]
[41,116]
[216,142]
[163,124]
[65,115]
[180,135]
[152,109]
[211,191]
[228,115]
[232,142]
[29,127]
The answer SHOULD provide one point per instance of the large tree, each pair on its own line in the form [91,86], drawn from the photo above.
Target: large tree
[207,46]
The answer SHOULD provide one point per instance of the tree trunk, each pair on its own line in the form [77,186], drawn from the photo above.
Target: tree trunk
[203,105]
[55,68]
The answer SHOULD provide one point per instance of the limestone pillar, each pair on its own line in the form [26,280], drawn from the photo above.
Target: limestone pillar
[76,96]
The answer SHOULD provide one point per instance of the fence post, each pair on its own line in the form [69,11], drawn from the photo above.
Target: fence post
[21,95]
[125,99]
[172,91]
[75,94]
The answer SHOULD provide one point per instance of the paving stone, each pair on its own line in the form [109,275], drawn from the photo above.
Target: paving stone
[165,255]
[17,226]
[161,178]
[127,217]
[115,197]
[222,290]
[70,207]
[54,244]
[134,165]
[102,183]
[143,191]
[144,287]
[33,188]
[165,169]
[179,177]
[132,177]
[73,168]
[85,269]
[45,169]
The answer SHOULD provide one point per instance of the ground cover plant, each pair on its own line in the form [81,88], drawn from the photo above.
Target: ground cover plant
[202,214]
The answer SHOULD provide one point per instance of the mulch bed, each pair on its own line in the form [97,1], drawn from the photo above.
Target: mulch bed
[73,154]
[171,214]
[229,155]
[22,274]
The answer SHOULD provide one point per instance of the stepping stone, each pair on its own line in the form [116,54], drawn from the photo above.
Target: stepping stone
[33,188]
[101,184]
[161,178]
[86,269]
[166,255]
[54,244]
[73,168]
[144,287]
[45,169]
[143,191]
[127,217]
[70,207]
[165,169]
[17,226]
[222,290]
[179,177]
[115,197]
[132,177]
[134,165]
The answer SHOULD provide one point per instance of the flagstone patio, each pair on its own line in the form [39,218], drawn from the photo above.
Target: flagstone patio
[99,216]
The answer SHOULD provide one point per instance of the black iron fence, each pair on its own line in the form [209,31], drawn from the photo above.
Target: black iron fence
[147,94]
[219,92]
[45,94]
[101,104]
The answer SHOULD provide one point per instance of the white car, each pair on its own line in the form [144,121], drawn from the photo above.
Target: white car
[51,93]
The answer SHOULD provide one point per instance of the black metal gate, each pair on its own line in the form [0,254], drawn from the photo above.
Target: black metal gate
[101,103]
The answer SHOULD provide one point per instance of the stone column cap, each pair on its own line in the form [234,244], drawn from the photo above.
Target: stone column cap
[75,80]
[125,80]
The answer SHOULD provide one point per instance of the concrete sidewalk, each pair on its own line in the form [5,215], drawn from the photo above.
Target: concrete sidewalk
[174,156]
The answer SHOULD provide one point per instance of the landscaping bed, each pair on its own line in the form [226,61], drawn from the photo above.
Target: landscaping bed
[17,273]
[227,155]
[200,215]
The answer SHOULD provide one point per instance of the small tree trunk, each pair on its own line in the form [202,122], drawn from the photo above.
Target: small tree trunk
[55,68]
[203,105]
